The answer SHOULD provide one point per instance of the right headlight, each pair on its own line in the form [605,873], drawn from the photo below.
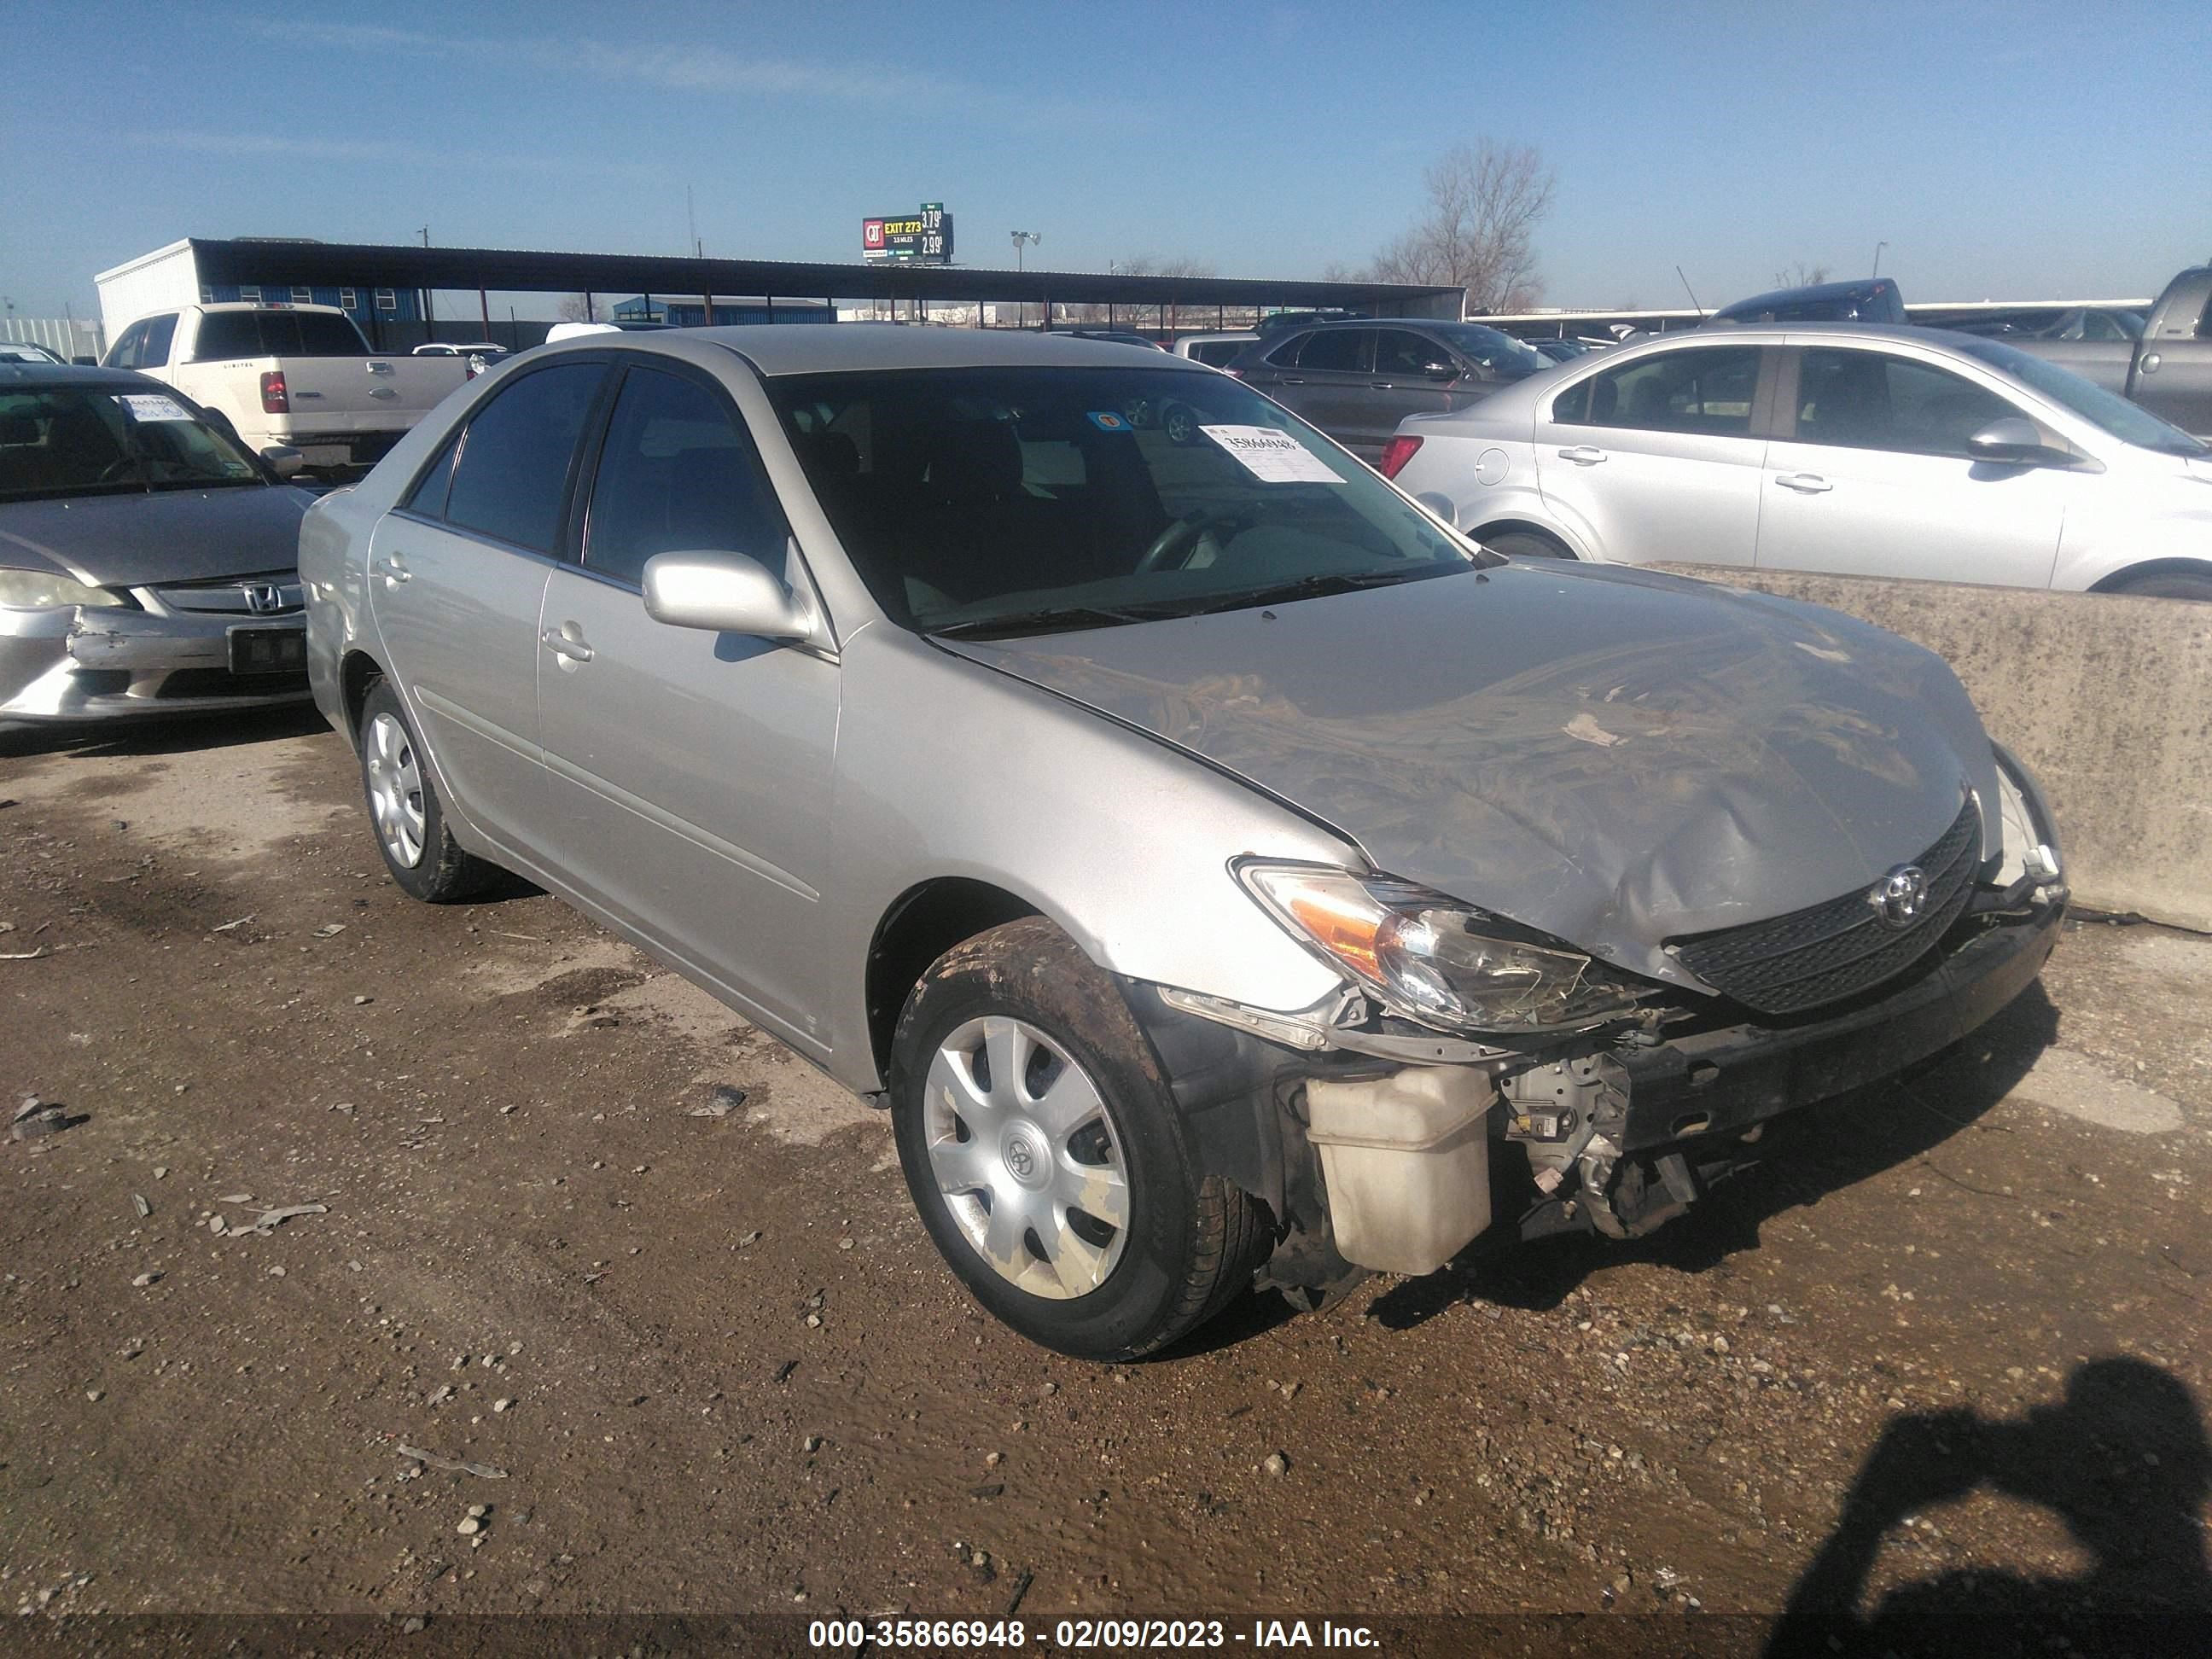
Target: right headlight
[1433,958]
[35,590]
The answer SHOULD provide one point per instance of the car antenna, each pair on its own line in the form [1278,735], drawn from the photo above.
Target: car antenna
[1693,293]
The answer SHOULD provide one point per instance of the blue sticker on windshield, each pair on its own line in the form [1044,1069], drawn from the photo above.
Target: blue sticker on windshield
[1106,421]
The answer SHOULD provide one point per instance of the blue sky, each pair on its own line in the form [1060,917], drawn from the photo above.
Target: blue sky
[2000,149]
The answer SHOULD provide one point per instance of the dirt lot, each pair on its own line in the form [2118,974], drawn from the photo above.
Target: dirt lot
[1946,1344]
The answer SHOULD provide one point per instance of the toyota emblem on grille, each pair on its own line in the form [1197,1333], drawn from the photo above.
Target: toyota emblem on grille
[261,598]
[1898,896]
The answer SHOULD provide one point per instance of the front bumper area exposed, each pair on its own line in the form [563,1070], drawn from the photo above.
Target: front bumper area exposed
[68,666]
[1620,1132]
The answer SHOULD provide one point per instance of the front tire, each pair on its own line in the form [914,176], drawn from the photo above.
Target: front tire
[2164,584]
[1047,1155]
[404,810]
[1526,544]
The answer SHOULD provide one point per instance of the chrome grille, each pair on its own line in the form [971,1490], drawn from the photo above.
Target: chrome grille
[1832,950]
[230,595]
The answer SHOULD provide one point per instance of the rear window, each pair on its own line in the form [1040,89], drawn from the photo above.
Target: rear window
[227,334]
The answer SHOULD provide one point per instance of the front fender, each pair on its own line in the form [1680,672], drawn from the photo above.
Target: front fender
[946,767]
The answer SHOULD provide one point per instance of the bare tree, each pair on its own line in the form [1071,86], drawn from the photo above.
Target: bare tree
[1337,271]
[1485,200]
[578,308]
[1801,274]
[1148,264]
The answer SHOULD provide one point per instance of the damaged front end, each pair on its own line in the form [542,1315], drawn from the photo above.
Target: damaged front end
[1468,1073]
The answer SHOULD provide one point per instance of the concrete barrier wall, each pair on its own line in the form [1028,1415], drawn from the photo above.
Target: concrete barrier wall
[2108,700]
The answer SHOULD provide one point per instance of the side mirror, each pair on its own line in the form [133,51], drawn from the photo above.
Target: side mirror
[1441,372]
[1440,504]
[86,362]
[283,459]
[2013,441]
[724,594]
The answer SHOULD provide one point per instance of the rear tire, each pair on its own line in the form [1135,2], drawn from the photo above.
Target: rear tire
[1527,544]
[1086,1144]
[2164,584]
[404,812]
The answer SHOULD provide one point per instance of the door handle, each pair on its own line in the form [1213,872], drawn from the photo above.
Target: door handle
[392,569]
[1385,386]
[1290,379]
[1805,484]
[562,643]
[1582,455]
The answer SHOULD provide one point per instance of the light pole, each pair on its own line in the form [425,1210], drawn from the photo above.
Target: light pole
[1878,247]
[1021,237]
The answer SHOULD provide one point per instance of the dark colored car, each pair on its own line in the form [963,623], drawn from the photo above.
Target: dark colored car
[1356,380]
[148,562]
[1871,300]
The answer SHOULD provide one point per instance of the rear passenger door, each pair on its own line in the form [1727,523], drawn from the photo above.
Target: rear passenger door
[689,772]
[1333,387]
[1655,457]
[456,577]
[1415,376]
[2173,371]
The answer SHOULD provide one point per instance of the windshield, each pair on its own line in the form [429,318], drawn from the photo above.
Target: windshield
[1029,500]
[72,441]
[2129,422]
[22,351]
[1508,358]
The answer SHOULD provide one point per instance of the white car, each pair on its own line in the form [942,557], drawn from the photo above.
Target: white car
[1865,449]
[300,377]
[1215,350]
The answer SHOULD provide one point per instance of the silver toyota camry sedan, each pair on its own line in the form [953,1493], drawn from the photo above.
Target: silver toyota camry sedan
[1223,871]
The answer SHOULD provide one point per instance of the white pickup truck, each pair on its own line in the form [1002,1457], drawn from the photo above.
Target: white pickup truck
[300,375]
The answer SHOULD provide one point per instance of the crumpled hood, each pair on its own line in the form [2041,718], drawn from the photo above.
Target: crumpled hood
[1614,756]
[165,536]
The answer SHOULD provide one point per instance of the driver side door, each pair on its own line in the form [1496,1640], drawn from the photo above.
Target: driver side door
[689,772]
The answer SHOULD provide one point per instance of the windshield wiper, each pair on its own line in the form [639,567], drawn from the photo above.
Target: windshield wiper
[1320,586]
[1053,619]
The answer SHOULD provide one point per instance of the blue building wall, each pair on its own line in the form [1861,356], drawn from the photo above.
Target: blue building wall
[405,305]
[692,314]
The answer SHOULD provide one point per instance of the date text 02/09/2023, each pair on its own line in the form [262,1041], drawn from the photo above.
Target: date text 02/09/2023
[1080,1635]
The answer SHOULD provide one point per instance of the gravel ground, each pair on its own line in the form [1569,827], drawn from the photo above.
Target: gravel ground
[1944,1346]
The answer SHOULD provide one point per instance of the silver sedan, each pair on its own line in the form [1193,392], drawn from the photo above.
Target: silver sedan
[1212,860]
[1846,447]
[147,562]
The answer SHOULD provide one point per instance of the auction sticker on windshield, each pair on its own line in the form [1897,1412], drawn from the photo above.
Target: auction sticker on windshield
[1273,457]
[151,406]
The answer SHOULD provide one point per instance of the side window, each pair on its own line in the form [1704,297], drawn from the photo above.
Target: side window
[2205,322]
[678,472]
[1286,355]
[1399,351]
[1865,400]
[513,466]
[429,496]
[124,354]
[1341,350]
[153,348]
[1708,390]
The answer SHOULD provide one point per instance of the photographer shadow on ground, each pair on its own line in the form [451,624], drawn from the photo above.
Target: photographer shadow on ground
[2122,1460]
[1805,1156]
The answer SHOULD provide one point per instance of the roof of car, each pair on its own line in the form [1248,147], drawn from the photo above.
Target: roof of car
[1812,293]
[18,374]
[834,347]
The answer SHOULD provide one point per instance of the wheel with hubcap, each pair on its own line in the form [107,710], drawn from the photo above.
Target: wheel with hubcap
[1048,1158]
[403,808]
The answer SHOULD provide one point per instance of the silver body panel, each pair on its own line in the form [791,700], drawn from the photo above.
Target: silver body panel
[1614,756]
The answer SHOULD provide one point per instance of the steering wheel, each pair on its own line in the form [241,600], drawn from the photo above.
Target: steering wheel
[1178,537]
[115,469]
